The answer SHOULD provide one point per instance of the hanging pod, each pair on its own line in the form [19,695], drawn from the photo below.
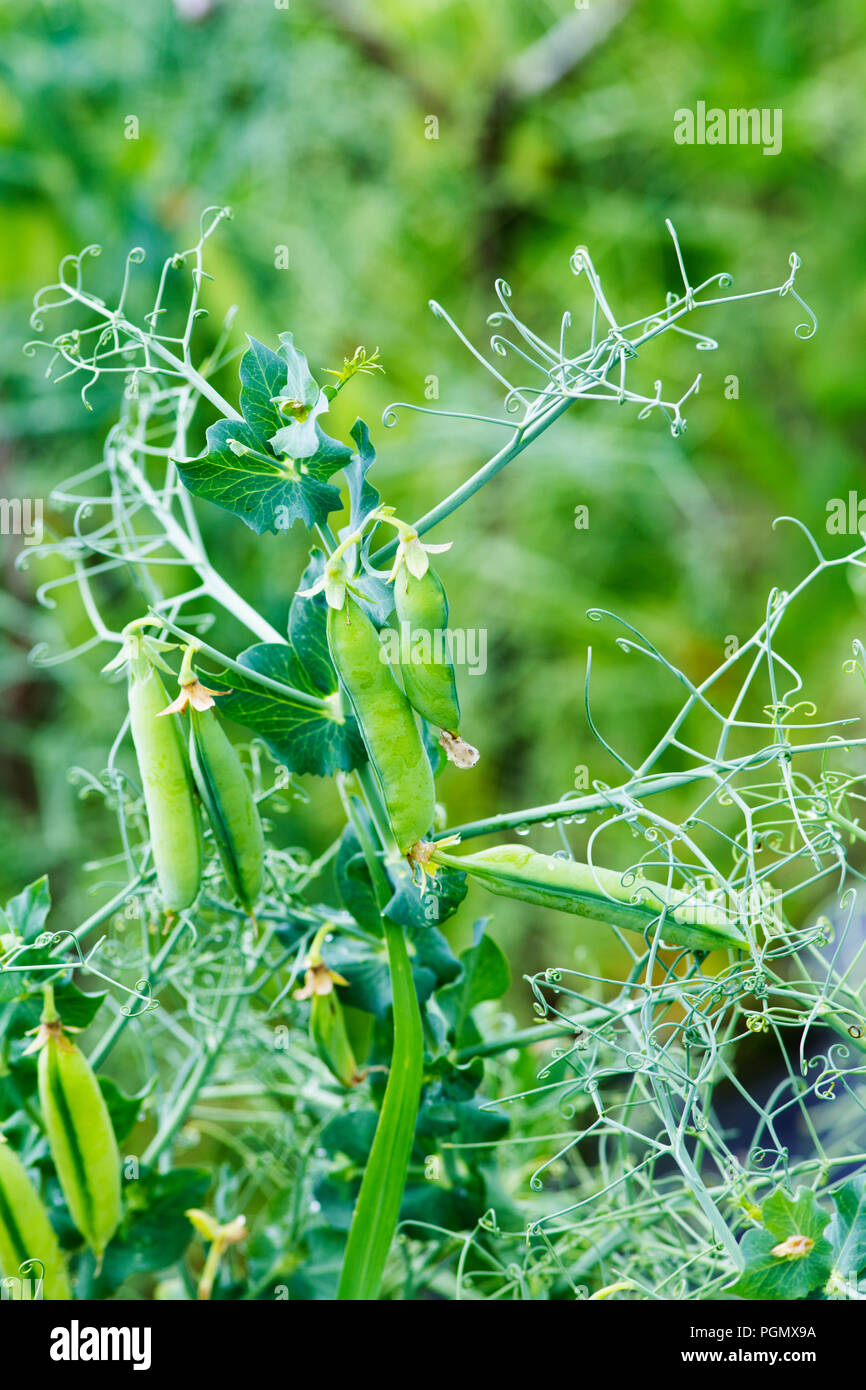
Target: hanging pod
[223,786]
[425,658]
[515,871]
[387,723]
[29,1249]
[80,1133]
[333,1028]
[231,807]
[172,814]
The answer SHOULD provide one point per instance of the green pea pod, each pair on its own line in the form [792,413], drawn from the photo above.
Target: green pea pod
[172,813]
[330,1034]
[27,1239]
[386,721]
[515,871]
[80,1135]
[330,1024]
[231,807]
[425,661]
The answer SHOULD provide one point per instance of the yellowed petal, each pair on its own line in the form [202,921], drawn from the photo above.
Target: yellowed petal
[794,1248]
[200,697]
[307,990]
[177,706]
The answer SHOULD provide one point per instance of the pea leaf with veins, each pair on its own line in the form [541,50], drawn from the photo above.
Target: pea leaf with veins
[242,471]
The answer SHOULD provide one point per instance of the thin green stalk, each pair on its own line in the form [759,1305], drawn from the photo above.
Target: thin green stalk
[289,692]
[574,806]
[684,1162]
[377,1210]
[540,1032]
[378,1207]
[519,441]
[637,789]
[110,1036]
[192,1084]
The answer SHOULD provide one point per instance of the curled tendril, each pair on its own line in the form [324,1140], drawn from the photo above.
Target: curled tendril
[144,995]
[489,1223]
[757,1023]
[55,939]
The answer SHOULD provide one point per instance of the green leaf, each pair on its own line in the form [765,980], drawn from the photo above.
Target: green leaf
[122,1109]
[241,470]
[450,1110]
[847,1230]
[263,377]
[366,968]
[240,473]
[316,1279]
[308,630]
[363,497]
[770,1276]
[305,739]
[350,1134]
[156,1232]
[354,885]
[76,1009]
[416,908]
[486,975]
[25,914]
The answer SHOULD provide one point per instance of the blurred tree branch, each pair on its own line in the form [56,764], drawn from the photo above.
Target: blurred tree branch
[376,49]
[563,48]
[539,68]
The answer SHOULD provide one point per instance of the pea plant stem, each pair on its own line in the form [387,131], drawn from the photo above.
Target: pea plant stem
[684,1162]
[289,692]
[377,1210]
[636,789]
[562,1029]
[519,441]
[181,366]
[193,554]
[196,1076]
[615,798]
[111,1035]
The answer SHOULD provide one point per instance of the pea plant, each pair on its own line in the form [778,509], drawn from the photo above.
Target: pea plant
[375,1124]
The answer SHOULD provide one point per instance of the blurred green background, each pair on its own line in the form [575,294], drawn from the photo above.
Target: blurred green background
[555,128]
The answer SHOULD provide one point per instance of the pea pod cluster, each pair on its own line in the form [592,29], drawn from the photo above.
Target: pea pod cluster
[421,606]
[80,1133]
[515,871]
[29,1249]
[223,786]
[387,723]
[172,812]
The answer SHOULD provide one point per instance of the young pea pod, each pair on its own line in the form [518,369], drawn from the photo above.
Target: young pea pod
[515,871]
[425,658]
[29,1249]
[231,807]
[223,787]
[80,1133]
[172,813]
[386,721]
[329,1026]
